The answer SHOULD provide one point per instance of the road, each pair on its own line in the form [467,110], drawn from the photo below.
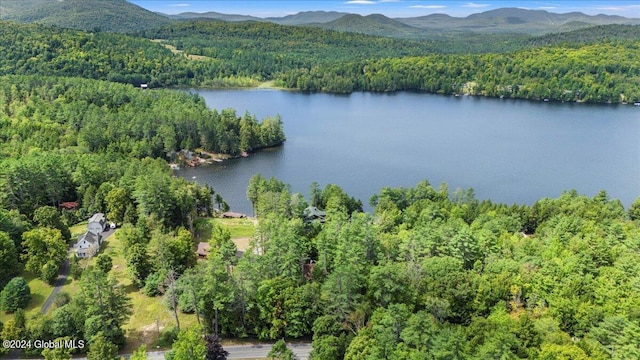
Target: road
[237,352]
[301,350]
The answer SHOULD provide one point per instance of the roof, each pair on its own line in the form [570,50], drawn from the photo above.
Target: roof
[89,237]
[69,205]
[231,214]
[98,217]
[203,249]
[314,212]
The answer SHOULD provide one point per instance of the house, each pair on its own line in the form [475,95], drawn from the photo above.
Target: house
[204,248]
[233,215]
[88,245]
[97,223]
[312,213]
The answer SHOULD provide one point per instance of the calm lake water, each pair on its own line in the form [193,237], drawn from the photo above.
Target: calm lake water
[509,151]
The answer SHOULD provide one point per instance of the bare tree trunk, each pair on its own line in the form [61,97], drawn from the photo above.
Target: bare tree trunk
[173,296]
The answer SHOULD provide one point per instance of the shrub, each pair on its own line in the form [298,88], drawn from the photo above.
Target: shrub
[280,351]
[61,299]
[154,285]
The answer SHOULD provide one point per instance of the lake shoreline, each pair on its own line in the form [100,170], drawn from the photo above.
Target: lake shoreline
[269,85]
[508,151]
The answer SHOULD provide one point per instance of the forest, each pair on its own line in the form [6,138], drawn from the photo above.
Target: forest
[589,65]
[430,274]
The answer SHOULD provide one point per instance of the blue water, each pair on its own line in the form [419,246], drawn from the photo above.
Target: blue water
[510,151]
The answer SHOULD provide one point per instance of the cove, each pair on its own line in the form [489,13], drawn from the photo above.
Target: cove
[509,151]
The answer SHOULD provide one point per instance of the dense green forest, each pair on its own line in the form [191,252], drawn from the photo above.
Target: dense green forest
[430,274]
[45,113]
[596,66]
[438,275]
[603,72]
[36,49]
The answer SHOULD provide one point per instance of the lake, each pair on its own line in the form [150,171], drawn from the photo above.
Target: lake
[509,151]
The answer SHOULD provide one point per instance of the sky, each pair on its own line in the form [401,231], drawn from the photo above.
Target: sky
[390,8]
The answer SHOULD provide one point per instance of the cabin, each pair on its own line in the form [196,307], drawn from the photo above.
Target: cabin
[312,213]
[88,245]
[233,215]
[97,223]
[204,248]
[144,86]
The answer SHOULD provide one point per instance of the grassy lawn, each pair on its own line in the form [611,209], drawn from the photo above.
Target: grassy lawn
[239,228]
[40,290]
[141,327]
[77,230]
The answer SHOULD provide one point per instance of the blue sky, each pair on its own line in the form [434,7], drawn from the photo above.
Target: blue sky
[391,8]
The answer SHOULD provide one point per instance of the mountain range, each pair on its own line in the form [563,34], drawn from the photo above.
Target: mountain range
[122,16]
[504,20]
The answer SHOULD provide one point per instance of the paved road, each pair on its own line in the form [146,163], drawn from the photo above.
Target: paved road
[301,350]
[237,352]
[62,277]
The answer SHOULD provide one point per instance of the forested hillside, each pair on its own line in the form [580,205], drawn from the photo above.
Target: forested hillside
[601,72]
[36,49]
[599,67]
[90,15]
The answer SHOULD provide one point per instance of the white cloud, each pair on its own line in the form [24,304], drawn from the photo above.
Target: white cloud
[475,6]
[547,8]
[619,8]
[180,5]
[390,1]
[428,6]
[361,2]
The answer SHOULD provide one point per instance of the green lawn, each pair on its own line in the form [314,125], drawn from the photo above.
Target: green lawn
[141,327]
[77,230]
[40,290]
[239,228]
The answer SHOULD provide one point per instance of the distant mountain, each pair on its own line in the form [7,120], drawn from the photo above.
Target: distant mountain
[91,15]
[308,17]
[515,20]
[588,35]
[214,15]
[301,18]
[499,21]
[376,24]
[121,16]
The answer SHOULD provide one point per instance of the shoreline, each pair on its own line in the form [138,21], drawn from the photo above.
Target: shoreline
[213,157]
[269,85]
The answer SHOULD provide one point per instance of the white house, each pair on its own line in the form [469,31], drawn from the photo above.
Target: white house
[97,223]
[88,245]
